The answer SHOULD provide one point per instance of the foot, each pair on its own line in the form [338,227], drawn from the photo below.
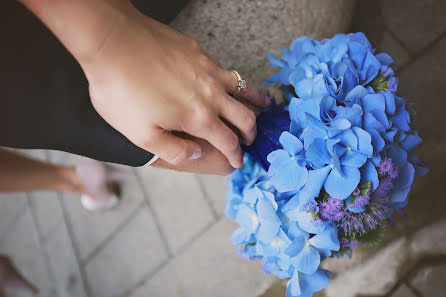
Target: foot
[99,188]
[10,277]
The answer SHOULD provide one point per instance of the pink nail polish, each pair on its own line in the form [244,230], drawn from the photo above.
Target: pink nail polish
[195,155]
[267,100]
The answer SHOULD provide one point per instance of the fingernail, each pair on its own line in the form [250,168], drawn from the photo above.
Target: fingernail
[267,100]
[195,156]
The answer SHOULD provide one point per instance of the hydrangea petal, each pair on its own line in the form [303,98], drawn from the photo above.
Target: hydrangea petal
[327,240]
[341,186]
[309,224]
[410,142]
[247,218]
[290,143]
[290,177]
[269,221]
[369,174]
[364,141]
[307,261]
[314,282]
[384,59]
[316,179]
[317,154]
[353,159]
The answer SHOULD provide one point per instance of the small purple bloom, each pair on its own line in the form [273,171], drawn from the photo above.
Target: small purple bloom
[335,203]
[361,201]
[339,216]
[356,192]
[312,207]
[388,167]
[385,186]
[345,242]
[332,209]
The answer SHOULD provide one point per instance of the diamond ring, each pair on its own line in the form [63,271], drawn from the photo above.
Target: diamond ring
[241,83]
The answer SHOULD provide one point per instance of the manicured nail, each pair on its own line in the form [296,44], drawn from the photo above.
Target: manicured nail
[267,100]
[195,156]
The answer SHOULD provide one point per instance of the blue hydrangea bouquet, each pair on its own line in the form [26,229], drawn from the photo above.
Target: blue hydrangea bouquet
[329,166]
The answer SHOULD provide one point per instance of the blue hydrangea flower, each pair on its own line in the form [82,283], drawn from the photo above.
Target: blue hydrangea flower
[303,285]
[341,156]
[287,169]
[306,252]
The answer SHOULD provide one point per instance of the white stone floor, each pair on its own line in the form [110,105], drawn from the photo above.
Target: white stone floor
[168,237]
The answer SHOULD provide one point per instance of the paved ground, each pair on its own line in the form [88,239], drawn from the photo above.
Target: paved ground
[168,237]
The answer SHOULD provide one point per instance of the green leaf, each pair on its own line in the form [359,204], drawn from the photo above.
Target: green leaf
[373,236]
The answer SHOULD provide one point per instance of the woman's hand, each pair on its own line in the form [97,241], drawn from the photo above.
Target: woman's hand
[212,161]
[147,80]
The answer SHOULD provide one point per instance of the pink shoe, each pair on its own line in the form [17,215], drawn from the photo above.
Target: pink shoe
[10,277]
[100,182]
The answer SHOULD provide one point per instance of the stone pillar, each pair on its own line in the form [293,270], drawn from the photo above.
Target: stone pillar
[240,33]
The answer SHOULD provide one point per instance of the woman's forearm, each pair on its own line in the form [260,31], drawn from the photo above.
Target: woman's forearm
[83,26]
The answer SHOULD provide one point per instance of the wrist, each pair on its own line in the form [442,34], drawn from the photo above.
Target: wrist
[83,26]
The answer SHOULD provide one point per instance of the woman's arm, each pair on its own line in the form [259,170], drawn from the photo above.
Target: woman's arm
[147,79]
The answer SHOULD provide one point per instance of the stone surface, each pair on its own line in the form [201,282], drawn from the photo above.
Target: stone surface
[391,46]
[63,263]
[48,210]
[416,23]
[22,244]
[430,239]
[403,291]
[364,279]
[10,206]
[208,267]
[135,251]
[240,33]
[179,202]
[91,229]
[430,281]
[215,190]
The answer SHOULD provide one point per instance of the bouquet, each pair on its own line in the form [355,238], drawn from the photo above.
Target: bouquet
[330,164]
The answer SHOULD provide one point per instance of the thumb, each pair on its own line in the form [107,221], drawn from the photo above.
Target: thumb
[174,149]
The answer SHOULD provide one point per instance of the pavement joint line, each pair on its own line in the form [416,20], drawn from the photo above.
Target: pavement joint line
[74,245]
[427,261]
[169,260]
[206,197]
[145,278]
[398,40]
[49,234]
[19,213]
[41,241]
[423,52]
[414,290]
[194,237]
[154,215]
[113,234]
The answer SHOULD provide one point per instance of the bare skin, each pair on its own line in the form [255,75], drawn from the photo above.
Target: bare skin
[149,81]
[21,173]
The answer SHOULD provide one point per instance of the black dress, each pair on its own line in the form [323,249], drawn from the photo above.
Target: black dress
[44,99]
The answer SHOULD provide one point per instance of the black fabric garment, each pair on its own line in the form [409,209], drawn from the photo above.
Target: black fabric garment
[44,100]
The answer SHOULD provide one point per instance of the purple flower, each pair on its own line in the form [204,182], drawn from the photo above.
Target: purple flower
[312,207]
[356,192]
[361,201]
[387,167]
[345,242]
[377,210]
[332,209]
[384,187]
